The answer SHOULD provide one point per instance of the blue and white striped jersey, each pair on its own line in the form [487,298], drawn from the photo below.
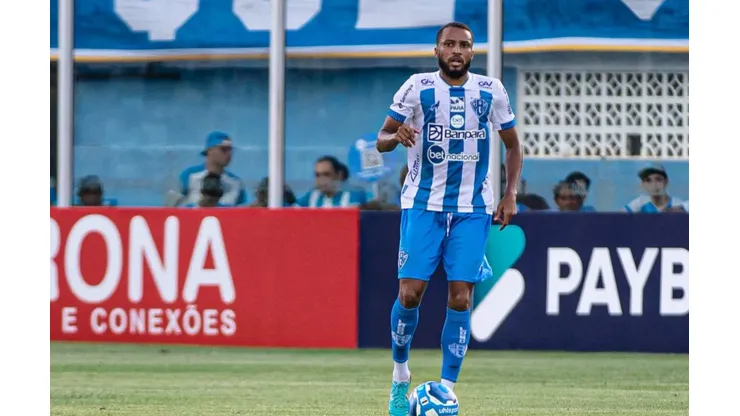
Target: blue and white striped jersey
[191,180]
[448,166]
[644,204]
[342,199]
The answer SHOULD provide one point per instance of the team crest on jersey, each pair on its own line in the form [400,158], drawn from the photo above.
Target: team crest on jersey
[480,106]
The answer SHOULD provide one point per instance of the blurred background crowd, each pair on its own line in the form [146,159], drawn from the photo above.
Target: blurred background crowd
[603,119]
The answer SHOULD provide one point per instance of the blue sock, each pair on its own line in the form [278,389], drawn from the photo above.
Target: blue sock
[455,339]
[403,326]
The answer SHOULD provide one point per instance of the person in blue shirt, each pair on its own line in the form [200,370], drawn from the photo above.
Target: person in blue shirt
[654,179]
[328,192]
[90,193]
[218,152]
[211,191]
[584,182]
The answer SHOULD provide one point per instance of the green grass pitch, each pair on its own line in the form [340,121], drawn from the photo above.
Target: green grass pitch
[133,380]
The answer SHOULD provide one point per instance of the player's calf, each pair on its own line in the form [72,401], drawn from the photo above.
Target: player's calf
[456,331]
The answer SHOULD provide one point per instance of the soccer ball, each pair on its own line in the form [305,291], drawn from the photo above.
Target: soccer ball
[433,399]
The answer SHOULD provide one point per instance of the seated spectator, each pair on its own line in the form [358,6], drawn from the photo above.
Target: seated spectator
[654,181]
[261,195]
[531,202]
[90,193]
[584,182]
[211,191]
[568,197]
[218,152]
[328,192]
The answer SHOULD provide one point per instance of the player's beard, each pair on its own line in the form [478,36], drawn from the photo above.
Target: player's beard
[454,74]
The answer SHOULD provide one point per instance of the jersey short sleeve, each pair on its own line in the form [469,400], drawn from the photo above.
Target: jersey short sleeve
[404,101]
[502,115]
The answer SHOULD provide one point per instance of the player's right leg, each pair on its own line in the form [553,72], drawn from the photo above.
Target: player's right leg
[419,253]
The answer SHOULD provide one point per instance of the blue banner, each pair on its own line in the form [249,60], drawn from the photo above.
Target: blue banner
[114,30]
[580,282]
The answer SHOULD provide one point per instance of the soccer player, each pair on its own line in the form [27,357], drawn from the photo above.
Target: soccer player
[445,119]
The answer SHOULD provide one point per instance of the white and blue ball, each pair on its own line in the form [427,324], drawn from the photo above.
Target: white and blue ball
[433,399]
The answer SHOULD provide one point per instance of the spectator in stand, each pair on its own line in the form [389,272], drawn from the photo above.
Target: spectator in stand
[584,184]
[218,152]
[654,179]
[211,191]
[568,197]
[261,197]
[90,193]
[328,192]
[531,202]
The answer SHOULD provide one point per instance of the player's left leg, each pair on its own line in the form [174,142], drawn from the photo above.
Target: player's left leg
[463,256]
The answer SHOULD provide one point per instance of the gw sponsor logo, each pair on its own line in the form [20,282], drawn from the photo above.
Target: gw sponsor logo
[457,105]
[437,155]
[485,84]
[427,82]
[438,133]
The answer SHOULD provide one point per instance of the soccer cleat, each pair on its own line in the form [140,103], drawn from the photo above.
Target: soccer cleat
[398,404]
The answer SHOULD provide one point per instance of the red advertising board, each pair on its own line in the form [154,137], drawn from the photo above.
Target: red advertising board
[250,277]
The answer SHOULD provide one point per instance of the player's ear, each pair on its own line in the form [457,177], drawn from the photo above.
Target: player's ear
[436,52]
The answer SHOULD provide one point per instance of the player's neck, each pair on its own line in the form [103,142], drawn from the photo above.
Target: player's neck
[455,82]
[660,201]
[213,168]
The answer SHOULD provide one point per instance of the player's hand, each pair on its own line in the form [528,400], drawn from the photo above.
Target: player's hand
[406,135]
[506,209]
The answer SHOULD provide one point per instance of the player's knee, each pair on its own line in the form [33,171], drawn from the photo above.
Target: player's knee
[409,296]
[459,301]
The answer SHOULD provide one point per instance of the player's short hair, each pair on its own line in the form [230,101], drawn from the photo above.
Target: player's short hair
[458,25]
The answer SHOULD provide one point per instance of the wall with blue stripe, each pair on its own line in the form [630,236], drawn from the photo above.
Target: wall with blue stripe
[139,134]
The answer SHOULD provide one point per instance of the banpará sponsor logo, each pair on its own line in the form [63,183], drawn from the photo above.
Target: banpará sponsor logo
[437,155]
[439,133]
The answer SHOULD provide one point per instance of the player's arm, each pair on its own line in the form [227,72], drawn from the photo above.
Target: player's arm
[513,159]
[395,131]
[505,122]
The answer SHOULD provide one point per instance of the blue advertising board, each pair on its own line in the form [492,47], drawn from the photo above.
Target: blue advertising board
[124,30]
[577,282]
